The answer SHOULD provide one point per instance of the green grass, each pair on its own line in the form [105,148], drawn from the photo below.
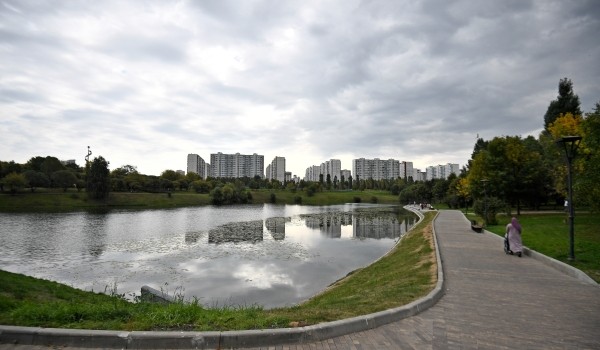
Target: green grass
[407,273]
[59,201]
[548,233]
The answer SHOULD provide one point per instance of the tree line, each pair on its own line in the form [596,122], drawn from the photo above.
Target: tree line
[503,173]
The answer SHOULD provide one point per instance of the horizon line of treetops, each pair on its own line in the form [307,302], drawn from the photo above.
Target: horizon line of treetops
[503,173]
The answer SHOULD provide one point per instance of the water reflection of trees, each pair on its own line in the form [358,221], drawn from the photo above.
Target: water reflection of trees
[248,231]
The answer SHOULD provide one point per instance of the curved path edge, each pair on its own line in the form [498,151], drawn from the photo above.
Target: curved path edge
[227,339]
[556,264]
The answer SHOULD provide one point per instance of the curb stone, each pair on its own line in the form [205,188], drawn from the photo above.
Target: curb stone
[556,264]
[227,339]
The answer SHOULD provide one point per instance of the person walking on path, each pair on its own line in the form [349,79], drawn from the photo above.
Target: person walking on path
[513,230]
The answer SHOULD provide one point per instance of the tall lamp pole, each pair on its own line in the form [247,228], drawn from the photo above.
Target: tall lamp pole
[570,145]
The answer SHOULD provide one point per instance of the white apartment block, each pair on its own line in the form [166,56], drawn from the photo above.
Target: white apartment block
[332,167]
[375,169]
[312,173]
[276,170]
[197,165]
[236,165]
[406,170]
[441,171]
[346,174]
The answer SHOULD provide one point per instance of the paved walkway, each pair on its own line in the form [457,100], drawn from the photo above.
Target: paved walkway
[491,301]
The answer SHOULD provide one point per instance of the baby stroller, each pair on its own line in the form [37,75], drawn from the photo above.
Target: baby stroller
[506,245]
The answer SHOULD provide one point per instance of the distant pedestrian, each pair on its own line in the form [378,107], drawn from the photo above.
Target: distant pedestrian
[566,206]
[513,230]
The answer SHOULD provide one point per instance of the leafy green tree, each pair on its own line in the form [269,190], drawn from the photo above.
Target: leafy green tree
[64,179]
[586,187]
[36,179]
[51,165]
[566,102]
[97,182]
[14,182]
[216,196]
[171,175]
[508,168]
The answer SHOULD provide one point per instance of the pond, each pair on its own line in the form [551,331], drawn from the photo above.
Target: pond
[270,255]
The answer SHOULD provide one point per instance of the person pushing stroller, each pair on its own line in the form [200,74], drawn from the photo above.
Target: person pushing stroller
[513,243]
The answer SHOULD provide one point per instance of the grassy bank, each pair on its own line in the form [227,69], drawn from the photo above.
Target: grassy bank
[548,233]
[59,201]
[407,273]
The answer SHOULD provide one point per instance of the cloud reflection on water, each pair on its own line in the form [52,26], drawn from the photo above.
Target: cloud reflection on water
[270,255]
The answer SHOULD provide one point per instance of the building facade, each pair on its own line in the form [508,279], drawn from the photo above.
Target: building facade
[276,170]
[375,169]
[197,165]
[236,165]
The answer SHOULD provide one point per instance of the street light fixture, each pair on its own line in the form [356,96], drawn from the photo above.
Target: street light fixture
[570,145]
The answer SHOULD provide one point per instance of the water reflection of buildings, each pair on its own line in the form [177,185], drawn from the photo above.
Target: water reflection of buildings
[276,227]
[384,225]
[377,227]
[330,224]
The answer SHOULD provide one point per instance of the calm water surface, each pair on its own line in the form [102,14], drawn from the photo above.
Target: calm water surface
[271,255]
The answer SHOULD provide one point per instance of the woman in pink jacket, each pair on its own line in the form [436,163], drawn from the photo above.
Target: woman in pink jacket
[513,230]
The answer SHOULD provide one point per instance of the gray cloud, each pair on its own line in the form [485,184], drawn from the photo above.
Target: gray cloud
[310,81]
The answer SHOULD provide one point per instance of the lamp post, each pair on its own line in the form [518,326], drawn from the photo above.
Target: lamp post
[485,206]
[570,145]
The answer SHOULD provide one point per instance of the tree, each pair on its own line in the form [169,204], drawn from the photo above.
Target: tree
[51,165]
[170,175]
[64,179]
[36,179]
[512,168]
[586,187]
[98,184]
[14,182]
[566,102]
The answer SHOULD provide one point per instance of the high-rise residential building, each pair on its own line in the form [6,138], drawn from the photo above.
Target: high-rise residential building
[236,165]
[441,171]
[451,168]
[375,169]
[406,170]
[276,170]
[312,173]
[332,167]
[346,174]
[197,165]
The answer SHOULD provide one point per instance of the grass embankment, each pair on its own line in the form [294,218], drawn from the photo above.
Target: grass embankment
[548,233]
[407,273]
[58,201]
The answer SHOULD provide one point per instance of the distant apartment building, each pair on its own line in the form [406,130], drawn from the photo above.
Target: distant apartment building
[346,174]
[312,173]
[237,165]
[332,167]
[180,172]
[276,170]
[376,169]
[441,171]
[196,165]
[406,170]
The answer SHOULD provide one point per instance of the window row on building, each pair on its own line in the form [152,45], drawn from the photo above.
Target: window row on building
[240,165]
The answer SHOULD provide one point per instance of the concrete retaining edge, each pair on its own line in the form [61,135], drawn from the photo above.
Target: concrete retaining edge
[228,339]
[556,264]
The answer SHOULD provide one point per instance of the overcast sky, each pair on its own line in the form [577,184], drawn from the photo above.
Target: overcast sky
[144,83]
